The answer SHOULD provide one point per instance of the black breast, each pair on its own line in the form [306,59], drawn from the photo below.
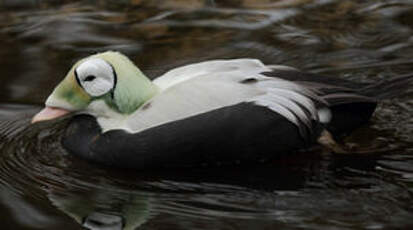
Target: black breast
[238,133]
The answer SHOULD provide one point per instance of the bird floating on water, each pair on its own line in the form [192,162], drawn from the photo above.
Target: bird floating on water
[212,112]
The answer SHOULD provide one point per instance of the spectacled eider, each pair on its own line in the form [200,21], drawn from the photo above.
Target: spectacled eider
[215,111]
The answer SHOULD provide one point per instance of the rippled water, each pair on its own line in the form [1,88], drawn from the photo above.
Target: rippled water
[41,187]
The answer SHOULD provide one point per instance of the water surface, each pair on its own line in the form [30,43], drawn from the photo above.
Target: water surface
[42,187]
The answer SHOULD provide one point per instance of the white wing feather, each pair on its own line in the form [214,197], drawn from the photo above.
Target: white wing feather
[198,88]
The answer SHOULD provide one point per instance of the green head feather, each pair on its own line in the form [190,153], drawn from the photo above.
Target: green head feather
[130,91]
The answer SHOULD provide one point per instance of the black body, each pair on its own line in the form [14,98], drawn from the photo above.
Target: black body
[239,133]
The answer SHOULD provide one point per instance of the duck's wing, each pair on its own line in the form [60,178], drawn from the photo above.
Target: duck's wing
[203,87]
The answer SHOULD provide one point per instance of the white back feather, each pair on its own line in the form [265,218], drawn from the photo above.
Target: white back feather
[187,72]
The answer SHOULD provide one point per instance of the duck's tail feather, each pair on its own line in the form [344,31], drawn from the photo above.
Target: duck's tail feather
[389,88]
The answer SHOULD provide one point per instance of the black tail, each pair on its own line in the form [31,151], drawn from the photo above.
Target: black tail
[389,88]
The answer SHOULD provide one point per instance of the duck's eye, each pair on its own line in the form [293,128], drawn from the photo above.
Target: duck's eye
[89,78]
[96,76]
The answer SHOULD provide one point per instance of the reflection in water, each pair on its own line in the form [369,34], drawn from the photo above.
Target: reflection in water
[126,211]
[42,187]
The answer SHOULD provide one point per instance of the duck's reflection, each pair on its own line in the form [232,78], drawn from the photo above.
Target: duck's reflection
[103,210]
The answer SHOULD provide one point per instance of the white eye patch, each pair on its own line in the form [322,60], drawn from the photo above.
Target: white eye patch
[96,76]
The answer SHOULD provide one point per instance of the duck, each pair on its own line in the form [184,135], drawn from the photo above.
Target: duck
[215,112]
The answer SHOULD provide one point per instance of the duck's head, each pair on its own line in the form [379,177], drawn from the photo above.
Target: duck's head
[105,84]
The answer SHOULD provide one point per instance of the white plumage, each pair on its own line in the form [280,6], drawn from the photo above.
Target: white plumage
[198,88]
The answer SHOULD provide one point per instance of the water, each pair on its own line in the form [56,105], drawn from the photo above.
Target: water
[41,187]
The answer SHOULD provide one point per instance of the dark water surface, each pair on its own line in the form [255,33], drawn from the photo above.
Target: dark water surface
[41,187]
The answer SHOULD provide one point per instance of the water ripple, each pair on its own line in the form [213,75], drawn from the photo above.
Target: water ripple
[364,41]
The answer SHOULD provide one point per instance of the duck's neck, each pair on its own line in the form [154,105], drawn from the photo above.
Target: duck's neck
[132,93]
[114,116]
